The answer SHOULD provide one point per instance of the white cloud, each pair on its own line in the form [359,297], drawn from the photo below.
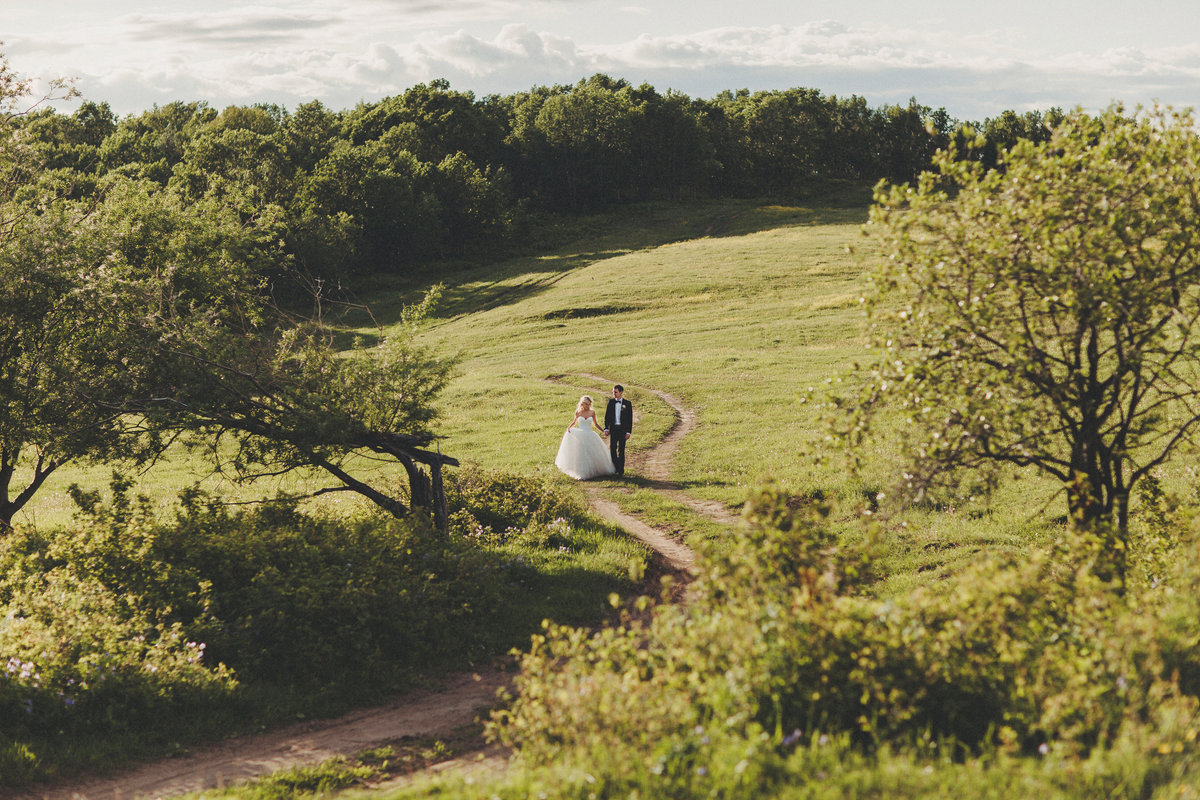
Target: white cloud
[516,47]
[367,49]
[254,26]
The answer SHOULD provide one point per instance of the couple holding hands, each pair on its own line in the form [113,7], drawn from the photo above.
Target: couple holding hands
[582,455]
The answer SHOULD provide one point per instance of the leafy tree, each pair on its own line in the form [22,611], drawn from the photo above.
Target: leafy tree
[588,134]
[78,281]
[431,121]
[308,135]
[248,167]
[671,153]
[850,148]
[150,144]
[907,138]
[376,196]
[68,142]
[37,265]
[1046,315]
[1003,132]
[288,399]
[526,151]
[475,206]
[729,168]
[782,132]
[261,118]
[42,423]
[94,122]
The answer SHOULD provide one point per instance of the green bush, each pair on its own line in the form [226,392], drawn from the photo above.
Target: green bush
[75,664]
[781,647]
[279,596]
[128,628]
[491,506]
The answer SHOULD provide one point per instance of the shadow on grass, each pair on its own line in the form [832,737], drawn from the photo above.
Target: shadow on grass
[572,596]
[464,292]
[633,480]
[847,206]
[560,245]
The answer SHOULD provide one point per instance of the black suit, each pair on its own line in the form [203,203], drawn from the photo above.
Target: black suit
[617,433]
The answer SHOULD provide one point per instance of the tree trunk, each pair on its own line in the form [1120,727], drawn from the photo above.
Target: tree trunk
[389,504]
[418,484]
[10,507]
[441,513]
[1121,556]
[1093,516]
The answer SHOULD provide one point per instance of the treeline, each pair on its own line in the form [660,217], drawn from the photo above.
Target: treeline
[436,173]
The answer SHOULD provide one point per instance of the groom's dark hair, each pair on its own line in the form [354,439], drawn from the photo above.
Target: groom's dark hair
[620,388]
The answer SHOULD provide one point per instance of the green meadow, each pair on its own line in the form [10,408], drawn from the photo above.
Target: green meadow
[746,312]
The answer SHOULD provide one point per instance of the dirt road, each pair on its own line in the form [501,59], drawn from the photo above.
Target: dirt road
[459,701]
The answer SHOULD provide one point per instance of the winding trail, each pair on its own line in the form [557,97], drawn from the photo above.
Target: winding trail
[459,701]
[433,712]
[657,464]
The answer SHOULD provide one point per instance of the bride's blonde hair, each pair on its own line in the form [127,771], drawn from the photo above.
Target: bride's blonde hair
[584,402]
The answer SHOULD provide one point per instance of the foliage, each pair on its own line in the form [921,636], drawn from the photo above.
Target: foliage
[288,398]
[80,282]
[278,596]
[487,503]
[217,620]
[87,679]
[1044,314]
[1030,659]
[434,173]
[558,561]
[82,261]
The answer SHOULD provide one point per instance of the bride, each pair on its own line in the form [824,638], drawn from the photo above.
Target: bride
[582,454]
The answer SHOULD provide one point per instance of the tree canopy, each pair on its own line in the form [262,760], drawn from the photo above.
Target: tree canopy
[140,258]
[1044,313]
[435,174]
[287,398]
[135,313]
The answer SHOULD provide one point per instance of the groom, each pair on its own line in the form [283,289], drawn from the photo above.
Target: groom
[618,426]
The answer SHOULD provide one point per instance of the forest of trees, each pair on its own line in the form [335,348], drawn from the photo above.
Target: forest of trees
[436,173]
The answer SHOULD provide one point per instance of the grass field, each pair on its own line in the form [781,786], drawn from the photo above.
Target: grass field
[739,309]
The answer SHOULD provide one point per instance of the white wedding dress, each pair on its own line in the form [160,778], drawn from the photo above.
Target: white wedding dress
[583,454]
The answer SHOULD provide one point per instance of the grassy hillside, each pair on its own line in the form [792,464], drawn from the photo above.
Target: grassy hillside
[737,308]
[737,322]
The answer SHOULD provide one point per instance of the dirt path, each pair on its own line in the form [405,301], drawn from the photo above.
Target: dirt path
[657,464]
[460,700]
[434,712]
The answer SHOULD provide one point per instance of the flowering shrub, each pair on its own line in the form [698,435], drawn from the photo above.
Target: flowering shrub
[780,648]
[75,662]
[492,506]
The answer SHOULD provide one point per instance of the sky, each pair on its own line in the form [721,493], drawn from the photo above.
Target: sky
[972,58]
